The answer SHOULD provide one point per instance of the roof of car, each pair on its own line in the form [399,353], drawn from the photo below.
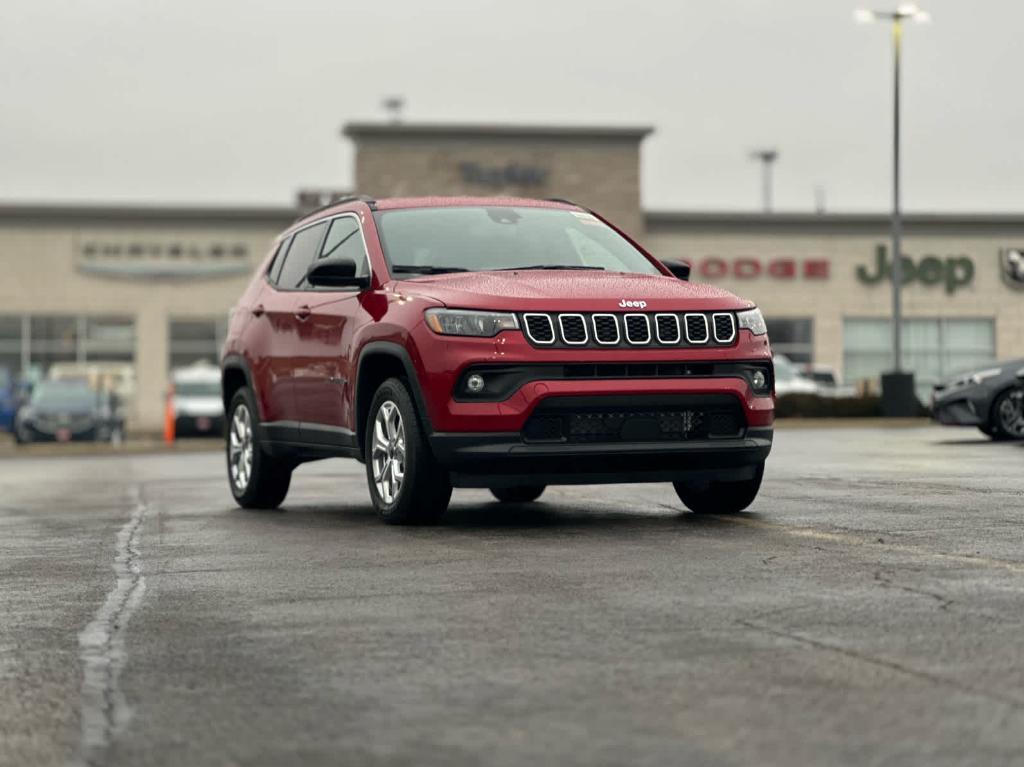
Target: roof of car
[398,203]
[393,203]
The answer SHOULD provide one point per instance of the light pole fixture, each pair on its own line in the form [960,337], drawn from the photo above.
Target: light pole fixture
[904,12]
[767,158]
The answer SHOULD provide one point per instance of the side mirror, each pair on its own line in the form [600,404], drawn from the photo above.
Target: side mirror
[681,269]
[1020,375]
[336,272]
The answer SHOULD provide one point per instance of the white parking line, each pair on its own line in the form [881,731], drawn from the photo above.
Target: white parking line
[101,645]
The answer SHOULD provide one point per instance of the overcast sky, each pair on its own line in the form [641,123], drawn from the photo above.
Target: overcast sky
[231,101]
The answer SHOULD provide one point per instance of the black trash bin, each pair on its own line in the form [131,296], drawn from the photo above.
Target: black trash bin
[899,400]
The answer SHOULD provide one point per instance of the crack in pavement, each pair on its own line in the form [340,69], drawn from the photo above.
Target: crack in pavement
[927,676]
[889,583]
[104,710]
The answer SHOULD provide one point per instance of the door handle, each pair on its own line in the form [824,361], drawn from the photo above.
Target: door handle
[258,310]
[303,312]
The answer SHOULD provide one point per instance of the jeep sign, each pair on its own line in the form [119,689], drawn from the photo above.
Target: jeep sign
[953,272]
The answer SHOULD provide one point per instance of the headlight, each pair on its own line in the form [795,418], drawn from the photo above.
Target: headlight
[466,322]
[753,320]
[983,375]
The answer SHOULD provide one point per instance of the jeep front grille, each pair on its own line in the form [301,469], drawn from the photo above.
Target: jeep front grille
[632,330]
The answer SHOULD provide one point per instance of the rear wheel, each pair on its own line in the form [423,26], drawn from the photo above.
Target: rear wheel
[521,494]
[1008,416]
[258,480]
[718,497]
[407,486]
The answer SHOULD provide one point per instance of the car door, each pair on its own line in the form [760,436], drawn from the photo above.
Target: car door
[283,301]
[324,380]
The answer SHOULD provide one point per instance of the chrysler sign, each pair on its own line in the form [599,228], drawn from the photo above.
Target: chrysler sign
[150,259]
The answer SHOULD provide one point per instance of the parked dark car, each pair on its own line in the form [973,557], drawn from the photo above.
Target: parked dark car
[990,398]
[65,411]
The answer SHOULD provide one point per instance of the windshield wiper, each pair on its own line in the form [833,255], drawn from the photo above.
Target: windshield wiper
[549,266]
[410,269]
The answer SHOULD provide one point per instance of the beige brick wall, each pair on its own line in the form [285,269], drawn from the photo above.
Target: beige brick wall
[602,173]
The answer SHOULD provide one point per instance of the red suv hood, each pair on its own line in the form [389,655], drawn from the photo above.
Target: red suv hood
[569,291]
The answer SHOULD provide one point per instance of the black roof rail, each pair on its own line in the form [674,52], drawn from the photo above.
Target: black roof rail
[372,202]
[563,200]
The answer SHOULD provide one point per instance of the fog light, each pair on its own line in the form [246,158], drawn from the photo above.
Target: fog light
[475,384]
[758,380]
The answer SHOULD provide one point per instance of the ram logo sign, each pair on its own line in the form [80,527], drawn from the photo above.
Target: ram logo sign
[1011,263]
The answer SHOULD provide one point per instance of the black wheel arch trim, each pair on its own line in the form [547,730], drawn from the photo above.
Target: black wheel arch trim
[236,362]
[399,352]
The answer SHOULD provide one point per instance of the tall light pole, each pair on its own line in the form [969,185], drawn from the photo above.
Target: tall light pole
[906,11]
[767,157]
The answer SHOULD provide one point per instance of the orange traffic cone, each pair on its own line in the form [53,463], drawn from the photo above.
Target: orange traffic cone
[169,418]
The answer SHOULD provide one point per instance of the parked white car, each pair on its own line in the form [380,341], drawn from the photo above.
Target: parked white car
[196,399]
[824,377]
[789,380]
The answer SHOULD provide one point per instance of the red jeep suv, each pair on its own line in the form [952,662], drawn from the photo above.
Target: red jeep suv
[498,343]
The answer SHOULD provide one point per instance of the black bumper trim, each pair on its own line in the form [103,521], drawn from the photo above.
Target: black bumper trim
[492,459]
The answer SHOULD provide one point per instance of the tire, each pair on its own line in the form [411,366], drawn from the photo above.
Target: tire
[521,494]
[407,485]
[717,497]
[257,479]
[1007,417]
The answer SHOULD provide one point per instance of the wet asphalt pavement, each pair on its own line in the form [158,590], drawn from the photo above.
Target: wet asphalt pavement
[868,610]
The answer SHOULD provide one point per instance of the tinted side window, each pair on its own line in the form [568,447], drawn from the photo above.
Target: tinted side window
[300,255]
[275,266]
[345,240]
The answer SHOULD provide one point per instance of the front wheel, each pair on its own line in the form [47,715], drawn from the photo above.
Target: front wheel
[720,497]
[1008,416]
[407,486]
[258,480]
[520,494]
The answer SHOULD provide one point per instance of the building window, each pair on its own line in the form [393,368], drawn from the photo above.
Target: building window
[100,350]
[932,348]
[196,340]
[793,337]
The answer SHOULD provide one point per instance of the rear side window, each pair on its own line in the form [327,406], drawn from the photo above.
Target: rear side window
[275,266]
[346,241]
[304,248]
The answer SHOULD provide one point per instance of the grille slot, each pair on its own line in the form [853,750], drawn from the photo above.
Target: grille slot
[638,329]
[697,328]
[640,422]
[606,329]
[667,328]
[539,328]
[725,327]
[573,328]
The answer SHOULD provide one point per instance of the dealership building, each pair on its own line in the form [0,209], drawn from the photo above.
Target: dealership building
[151,287]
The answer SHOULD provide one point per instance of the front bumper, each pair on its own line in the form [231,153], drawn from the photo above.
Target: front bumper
[504,459]
[964,408]
[443,360]
[199,425]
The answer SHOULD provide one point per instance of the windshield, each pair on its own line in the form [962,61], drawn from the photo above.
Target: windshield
[473,239]
[64,395]
[197,389]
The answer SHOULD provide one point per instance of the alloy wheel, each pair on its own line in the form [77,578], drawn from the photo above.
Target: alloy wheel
[388,452]
[1011,414]
[240,448]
